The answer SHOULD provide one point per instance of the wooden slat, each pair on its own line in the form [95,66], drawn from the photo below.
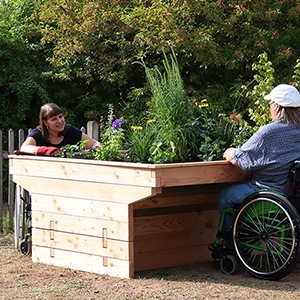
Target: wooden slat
[74,170]
[171,240]
[83,262]
[201,174]
[169,258]
[139,174]
[84,190]
[81,243]
[175,222]
[174,240]
[183,195]
[81,225]
[81,208]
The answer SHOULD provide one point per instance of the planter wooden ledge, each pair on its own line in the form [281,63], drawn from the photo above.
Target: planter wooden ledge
[116,218]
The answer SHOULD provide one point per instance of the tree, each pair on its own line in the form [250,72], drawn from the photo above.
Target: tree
[21,60]
[216,41]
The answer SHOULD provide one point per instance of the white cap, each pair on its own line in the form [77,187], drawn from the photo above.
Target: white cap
[285,95]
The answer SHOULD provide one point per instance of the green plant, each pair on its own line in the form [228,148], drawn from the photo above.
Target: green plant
[140,140]
[265,83]
[112,138]
[72,150]
[211,149]
[6,228]
[220,131]
[160,156]
[170,107]
[255,90]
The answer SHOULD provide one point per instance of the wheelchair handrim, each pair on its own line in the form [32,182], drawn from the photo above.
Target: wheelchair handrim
[292,234]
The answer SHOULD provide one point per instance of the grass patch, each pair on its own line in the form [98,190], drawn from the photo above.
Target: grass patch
[5,226]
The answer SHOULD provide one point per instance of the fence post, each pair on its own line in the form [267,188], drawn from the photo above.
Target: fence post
[1,183]
[19,226]
[20,138]
[10,182]
[93,130]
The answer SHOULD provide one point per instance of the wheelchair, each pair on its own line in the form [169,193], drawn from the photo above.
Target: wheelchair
[265,238]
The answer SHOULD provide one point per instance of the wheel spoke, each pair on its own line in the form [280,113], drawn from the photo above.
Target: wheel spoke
[264,236]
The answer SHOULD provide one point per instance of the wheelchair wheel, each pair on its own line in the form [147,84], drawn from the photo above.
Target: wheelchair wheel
[228,264]
[266,235]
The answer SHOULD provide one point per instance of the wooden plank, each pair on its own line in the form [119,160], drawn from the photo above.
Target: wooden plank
[170,258]
[171,240]
[176,174]
[183,195]
[174,240]
[93,130]
[215,173]
[81,243]
[175,222]
[75,170]
[10,180]
[83,262]
[81,225]
[117,212]
[84,190]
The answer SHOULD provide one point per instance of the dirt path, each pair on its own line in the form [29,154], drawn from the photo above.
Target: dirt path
[20,278]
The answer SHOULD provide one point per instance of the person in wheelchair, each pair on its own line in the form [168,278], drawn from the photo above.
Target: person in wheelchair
[268,154]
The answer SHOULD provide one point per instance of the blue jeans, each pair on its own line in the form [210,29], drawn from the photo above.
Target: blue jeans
[229,197]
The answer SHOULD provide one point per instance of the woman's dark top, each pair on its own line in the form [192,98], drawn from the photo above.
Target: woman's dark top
[72,137]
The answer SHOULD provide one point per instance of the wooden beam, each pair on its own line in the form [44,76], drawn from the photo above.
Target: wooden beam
[116,212]
[171,257]
[84,190]
[82,170]
[117,230]
[81,243]
[201,174]
[82,261]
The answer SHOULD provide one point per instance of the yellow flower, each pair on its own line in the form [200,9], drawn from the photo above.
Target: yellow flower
[136,127]
[203,103]
[150,121]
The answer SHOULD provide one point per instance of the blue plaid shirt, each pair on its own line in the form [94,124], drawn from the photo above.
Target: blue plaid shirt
[269,154]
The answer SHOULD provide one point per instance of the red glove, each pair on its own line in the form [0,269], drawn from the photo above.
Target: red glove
[49,151]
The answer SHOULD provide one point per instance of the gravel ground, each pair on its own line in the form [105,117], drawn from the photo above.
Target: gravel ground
[20,278]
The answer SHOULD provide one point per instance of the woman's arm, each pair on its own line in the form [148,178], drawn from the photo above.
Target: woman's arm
[91,144]
[29,146]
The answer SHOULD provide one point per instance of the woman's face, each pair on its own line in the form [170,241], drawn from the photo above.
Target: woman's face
[55,123]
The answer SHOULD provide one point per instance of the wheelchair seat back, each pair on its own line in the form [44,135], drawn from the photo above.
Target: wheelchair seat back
[294,178]
[292,188]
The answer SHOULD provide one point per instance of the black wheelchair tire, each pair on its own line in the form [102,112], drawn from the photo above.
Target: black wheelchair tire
[271,248]
[229,264]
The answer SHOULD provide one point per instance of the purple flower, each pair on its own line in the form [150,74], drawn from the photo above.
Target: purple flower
[117,123]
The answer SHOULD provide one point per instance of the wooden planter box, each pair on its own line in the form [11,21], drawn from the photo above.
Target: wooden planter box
[116,218]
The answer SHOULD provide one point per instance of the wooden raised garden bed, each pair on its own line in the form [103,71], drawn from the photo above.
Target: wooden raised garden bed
[116,218]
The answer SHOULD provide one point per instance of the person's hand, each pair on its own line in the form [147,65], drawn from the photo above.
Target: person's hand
[50,151]
[228,155]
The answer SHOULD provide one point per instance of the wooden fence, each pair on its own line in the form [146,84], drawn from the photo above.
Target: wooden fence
[8,204]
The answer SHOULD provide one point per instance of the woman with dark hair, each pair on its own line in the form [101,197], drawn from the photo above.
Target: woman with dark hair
[53,133]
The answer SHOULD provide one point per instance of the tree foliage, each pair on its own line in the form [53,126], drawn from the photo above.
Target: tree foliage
[216,41]
[21,84]
[80,53]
